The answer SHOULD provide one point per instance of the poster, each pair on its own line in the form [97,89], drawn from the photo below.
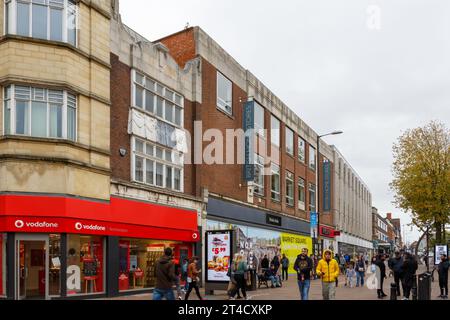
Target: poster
[292,245]
[218,246]
[438,251]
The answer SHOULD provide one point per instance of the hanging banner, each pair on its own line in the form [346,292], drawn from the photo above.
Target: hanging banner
[248,127]
[218,255]
[327,186]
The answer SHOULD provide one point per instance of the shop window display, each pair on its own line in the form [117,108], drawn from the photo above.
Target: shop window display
[54,277]
[85,264]
[138,257]
[2,264]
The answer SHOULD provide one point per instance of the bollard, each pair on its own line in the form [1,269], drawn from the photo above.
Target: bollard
[414,288]
[393,291]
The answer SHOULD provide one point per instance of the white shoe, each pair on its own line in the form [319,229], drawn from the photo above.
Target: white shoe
[405,298]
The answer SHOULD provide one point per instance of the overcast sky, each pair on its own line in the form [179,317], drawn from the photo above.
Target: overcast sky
[334,63]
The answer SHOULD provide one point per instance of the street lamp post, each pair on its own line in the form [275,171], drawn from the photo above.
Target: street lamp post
[318,188]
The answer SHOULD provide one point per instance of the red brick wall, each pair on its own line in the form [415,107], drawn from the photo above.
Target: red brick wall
[120,106]
[181,46]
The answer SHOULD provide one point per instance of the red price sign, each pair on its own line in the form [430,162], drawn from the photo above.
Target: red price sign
[218,250]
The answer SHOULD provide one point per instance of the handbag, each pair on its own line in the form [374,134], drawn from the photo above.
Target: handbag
[231,288]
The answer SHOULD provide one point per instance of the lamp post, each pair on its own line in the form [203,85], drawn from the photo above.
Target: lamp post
[318,188]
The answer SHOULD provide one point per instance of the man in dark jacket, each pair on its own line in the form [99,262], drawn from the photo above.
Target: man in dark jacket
[285,268]
[265,262]
[395,264]
[165,277]
[409,269]
[382,267]
[443,276]
[303,265]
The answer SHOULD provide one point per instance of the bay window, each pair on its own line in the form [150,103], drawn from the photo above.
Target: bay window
[157,100]
[275,131]
[224,93]
[275,191]
[157,166]
[312,157]
[39,112]
[289,141]
[54,20]
[259,119]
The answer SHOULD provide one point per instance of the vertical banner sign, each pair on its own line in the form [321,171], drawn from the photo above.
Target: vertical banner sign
[248,127]
[218,255]
[439,250]
[326,186]
[313,220]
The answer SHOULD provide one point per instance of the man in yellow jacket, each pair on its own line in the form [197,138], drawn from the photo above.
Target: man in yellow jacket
[328,271]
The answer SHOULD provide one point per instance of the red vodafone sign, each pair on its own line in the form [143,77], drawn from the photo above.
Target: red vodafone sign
[34,225]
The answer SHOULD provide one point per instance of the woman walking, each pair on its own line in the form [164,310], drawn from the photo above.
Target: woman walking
[193,279]
[239,269]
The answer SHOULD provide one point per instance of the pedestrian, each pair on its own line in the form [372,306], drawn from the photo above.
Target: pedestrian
[265,263]
[240,269]
[395,264]
[360,269]
[276,262]
[165,277]
[443,276]
[232,285]
[272,275]
[342,264]
[177,269]
[336,257]
[314,262]
[409,268]
[184,272]
[304,266]
[285,267]
[350,274]
[328,270]
[193,279]
[380,263]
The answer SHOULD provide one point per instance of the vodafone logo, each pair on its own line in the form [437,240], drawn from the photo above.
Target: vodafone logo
[194,236]
[92,227]
[19,224]
[78,226]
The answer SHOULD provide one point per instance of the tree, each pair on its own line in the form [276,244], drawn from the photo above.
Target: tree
[421,176]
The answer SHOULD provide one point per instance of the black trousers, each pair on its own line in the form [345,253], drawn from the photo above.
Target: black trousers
[397,282]
[407,284]
[443,284]
[240,284]
[193,285]
[284,272]
[380,292]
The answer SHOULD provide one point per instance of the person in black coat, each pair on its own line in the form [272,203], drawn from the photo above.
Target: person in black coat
[395,264]
[409,269]
[443,267]
[382,267]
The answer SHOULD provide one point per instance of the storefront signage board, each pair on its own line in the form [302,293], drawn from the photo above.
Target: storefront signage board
[218,255]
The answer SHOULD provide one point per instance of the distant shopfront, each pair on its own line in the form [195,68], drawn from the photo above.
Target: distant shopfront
[48,249]
[259,233]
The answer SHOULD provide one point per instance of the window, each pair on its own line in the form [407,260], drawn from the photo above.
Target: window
[54,20]
[224,93]
[275,191]
[259,175]
[160,102]
[312,157]
[289,141]
[289,189]
[301,150]
[275,131]
[40,112]
[312,197]
[157,166]
[259,119]
[301,194]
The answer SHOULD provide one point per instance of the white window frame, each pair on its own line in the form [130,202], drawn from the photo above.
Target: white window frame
[156,160]
[12,118]
[258,129]
[12,19]
[226,106]
[259,188]
[313,165]
[301,150]
[301,185]
[274,120]
[312,188]
[275,170]
[290,198]
[291,132]
[162,95]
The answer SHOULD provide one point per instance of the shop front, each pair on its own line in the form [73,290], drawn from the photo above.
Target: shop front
[49,250]
[256,234]
[354,246]
[328,238]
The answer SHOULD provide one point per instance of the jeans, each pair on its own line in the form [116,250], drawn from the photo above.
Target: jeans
[328,290]
[304,286]
[159,294]
[360,278]
[275,281]
[285,272]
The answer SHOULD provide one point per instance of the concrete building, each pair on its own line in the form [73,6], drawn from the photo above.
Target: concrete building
[353,208]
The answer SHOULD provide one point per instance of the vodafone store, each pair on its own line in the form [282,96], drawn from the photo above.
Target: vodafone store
[71,248]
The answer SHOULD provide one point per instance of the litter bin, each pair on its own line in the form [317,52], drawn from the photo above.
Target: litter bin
[424,286]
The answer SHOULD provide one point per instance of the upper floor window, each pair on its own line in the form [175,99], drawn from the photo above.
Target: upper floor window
[259,175]
[224,93]
[40,112]
[301,194]
[275,131]
[312,197]
[289,141]
[157,166]
[301,150]
[312,157]
[43,19]
[275,185]
[259,119]
[289,188]
[156,99]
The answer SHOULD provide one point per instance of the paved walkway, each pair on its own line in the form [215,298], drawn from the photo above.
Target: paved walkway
[290,291]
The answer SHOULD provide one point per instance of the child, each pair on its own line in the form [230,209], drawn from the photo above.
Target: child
[350,274]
